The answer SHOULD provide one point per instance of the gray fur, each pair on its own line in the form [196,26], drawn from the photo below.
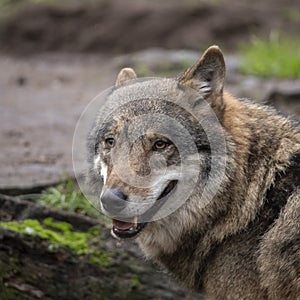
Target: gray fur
[245,243]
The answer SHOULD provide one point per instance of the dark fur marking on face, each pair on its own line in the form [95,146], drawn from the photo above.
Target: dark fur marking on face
[146,106]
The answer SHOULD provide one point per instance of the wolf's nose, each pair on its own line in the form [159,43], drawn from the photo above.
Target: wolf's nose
[113,200]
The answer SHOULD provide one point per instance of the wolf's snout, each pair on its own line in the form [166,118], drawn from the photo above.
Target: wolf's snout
[113,200]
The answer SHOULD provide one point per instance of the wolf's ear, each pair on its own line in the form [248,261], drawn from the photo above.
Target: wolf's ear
[207,75]
[125,75]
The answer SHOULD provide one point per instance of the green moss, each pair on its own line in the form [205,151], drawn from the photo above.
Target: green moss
[61,234]
[135,283]
[60,226]
[100,258]
[10,294]
[7,269]
[277,56]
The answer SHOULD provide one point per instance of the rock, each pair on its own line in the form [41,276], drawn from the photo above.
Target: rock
[164,62]
[157,61]
[286,98]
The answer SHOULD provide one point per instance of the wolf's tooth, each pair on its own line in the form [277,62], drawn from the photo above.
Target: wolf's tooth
[135,221]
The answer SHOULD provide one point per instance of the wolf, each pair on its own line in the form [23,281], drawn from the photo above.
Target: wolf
[241,243]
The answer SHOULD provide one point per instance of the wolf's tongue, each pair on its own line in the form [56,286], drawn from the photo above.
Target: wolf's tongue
[122,225]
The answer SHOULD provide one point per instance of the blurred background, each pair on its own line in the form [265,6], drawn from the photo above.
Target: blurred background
[55,56]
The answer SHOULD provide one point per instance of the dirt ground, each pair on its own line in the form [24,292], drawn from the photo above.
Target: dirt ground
[41,99]
[48,73]
[118,26]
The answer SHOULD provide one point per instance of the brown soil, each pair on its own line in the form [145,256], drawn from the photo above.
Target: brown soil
[128,25]
[43,95]
[41,100]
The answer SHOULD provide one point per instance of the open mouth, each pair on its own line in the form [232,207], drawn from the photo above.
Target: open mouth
[125,230]
[132,228]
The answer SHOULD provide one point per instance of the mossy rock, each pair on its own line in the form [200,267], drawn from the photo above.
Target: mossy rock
[48,258]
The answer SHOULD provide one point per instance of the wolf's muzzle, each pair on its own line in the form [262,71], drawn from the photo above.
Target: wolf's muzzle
[113,201]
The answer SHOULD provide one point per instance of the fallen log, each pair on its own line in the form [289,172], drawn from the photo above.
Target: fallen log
[51,254]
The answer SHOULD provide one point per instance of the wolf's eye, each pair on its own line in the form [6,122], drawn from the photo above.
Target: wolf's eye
[160,145]
[110,142]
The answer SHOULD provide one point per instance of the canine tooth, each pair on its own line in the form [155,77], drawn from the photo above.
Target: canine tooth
[135,221]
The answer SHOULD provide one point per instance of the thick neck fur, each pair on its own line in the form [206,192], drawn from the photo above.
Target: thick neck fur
[260,143]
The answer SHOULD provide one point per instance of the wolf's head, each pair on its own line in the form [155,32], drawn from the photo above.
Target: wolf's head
[152,150]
